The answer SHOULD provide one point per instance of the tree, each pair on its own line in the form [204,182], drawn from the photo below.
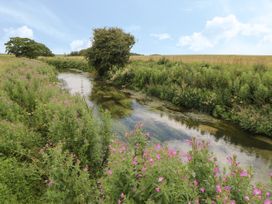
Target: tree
[25,47]
[110,47]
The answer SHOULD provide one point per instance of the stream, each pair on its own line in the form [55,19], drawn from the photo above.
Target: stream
[172,126]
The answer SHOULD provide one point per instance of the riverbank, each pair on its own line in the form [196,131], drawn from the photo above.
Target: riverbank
[237,93]
[52,150]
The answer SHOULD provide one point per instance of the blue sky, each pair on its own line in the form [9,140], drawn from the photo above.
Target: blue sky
[159,26]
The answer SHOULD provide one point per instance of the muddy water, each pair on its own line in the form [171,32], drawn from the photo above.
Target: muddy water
[172,126]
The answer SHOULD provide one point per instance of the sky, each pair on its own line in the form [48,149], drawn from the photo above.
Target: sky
[159,26]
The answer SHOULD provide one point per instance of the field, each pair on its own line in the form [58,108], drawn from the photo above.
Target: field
[211,59]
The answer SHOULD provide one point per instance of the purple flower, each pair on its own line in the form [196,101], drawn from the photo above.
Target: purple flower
[158,146]
[158,189]
[202,190]
[232,202]
[195,182]
[158,156]
[109,172]
[268,194]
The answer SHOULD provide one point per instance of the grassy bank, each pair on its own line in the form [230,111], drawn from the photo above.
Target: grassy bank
[237,93]
[52,150]
[66,63]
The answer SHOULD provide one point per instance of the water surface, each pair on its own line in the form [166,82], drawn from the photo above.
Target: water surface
[172,126]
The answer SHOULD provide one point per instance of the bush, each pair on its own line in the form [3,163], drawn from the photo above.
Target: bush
[142,173]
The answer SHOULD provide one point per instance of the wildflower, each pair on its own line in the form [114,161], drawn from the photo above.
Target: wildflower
[244,173]
[227,188]
[160,179]
[50,182]
[158,146]
[172,153]
[158,156]
[202,190]
[268,194]
[144,169]
[257,191]
[134,161]
[267,201]
[216,171]
[232,202]
[122,195]
[151,160]
[158,189]
[109,172]
[189,142]
[218,189]
[246,198]
[195,182]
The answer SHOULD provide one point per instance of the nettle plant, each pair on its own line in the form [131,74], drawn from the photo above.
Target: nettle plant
[139,172]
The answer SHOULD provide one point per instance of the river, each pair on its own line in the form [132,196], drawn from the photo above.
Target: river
[172,126]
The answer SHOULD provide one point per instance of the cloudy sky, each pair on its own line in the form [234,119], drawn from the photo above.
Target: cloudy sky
[160,26]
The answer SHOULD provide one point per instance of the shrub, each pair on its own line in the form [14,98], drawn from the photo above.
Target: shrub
[110,47]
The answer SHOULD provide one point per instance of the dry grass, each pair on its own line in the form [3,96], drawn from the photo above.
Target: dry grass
[213,59]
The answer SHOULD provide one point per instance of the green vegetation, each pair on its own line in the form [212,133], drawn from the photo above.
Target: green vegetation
[110,48]
[67,63]
[240,94]
[25,47]
[53,150]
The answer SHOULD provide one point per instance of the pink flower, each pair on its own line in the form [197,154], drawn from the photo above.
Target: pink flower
[227,188]
[189,142]
[158,146]
[172,153]
[218,189]
[257,191]
[244,173]
[144,169]
[158,156]
[232,202]
[151,160]
[195,182]
[267,201]
[158,189]
[246,198]
[122,195]
[202,190]
[268,194]
[134,161]
[109,172]
[160,179]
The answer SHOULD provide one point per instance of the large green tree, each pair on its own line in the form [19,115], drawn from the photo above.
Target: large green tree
[110,47]
[25,47]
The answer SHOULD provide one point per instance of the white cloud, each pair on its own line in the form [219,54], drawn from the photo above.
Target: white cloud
[161,36]
[77,45]
[224,31]
[195,42]
[23,32]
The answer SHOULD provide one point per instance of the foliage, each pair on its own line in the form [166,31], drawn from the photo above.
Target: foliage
[110,47]
[25,47]
[142,173]
[52,148]
[67,63]
[241,94]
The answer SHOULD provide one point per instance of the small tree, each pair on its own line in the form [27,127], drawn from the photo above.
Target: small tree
[25,47]
[110,47]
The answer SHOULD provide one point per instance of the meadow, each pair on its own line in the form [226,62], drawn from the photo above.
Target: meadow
[211,59]
[53,150]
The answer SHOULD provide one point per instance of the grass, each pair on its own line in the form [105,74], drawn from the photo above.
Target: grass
[211,59]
